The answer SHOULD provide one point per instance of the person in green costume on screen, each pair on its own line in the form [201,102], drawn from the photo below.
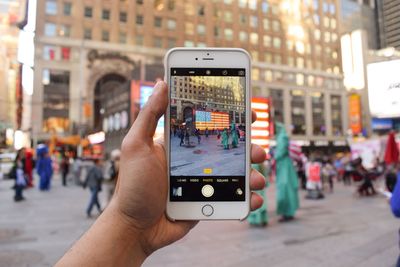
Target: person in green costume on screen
[225,139]
[235,137]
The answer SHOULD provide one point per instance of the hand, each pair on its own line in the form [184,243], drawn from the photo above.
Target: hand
[142,188]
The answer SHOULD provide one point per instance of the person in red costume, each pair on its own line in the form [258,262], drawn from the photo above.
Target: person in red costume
[28,166]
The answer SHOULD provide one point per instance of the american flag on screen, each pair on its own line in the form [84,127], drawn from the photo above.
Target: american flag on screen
[211,120]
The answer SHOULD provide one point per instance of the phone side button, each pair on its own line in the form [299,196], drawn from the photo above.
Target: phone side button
[207,210]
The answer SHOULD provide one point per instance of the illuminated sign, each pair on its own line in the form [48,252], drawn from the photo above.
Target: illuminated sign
[353,60]
[212,120]
[384,89]
[261,129]
[97,138]
[355,113]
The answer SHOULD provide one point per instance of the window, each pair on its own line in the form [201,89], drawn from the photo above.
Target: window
[65,53]
[171,5]
[333,24]
[157,22]
[87,34]
[254,21]
[267,41]
[49,52]
[300,63]
[139,40]
[171,43]
[201,29]
[228,16]
[254,55]
[122,37]
[327,37]
[264,7]
[88,12]
[268,76]
[289,45]
[158,42]
[254,38]
[105,36]
[297,104]
[65,31]
[266,24]
[277,42]
[188,44]
[278,59]
[255,74]
[332,8]
[51,7]
[243,3]
[189,28]
[228,34]
[139,2]
[276,26]
[50,29]
[123,17]
[216,32]
[139,20]
[326,22]
[290,61]
[243,19]
[201,11]
[268,57]
[300,79]
[252,4]
[189,9]
[105,14]
[300,47]
[67,9]
[171,24]
[317,34]
[317,100]
[243,36]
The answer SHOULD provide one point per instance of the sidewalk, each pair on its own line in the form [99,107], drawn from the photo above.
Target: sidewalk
[341,230]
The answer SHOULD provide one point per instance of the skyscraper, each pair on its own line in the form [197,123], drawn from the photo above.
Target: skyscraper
[389,23]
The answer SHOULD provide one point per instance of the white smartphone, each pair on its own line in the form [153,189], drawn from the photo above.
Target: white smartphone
[207,133]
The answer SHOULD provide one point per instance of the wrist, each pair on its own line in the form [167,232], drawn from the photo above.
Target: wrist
[129,236]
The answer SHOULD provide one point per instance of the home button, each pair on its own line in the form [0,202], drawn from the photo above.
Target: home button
[207,210]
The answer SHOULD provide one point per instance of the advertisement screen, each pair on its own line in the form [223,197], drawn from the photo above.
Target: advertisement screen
[208,134]
[384,89]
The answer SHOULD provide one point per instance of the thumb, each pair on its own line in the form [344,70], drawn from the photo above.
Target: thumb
[145,125]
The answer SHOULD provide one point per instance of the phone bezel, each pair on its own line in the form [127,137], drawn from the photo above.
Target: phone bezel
[221,58]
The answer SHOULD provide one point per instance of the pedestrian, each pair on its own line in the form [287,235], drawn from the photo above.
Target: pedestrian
[64,169]
[28,167]
[113,172]
[225,139]
[182,137]
[260,217]
[44,167]
[174,131]
[187,137]
[218,134]
[391,177]
[76,170]
[197,133]
[348,173]
[207,133]
[134,225]
[235,137]
[93,181]
[17,173]
[286,178]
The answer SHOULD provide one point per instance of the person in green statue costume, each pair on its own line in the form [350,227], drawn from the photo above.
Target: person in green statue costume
[287,184]
[235,137]
[260,216]
[225,139]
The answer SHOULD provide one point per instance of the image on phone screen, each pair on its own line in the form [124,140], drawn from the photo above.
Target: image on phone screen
[207,134]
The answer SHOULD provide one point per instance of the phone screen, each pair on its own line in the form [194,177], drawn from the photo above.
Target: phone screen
[207,134]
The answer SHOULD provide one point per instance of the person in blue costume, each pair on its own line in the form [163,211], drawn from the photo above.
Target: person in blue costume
[235,137]
[44,167]
[260,217]
[287,182]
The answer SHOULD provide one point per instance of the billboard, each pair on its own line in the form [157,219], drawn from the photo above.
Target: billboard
[261,128]
[384,89]
[355,113]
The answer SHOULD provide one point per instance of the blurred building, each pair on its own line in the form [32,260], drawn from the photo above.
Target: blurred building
[389,23]
[360,14]
[11,13]
[86,48]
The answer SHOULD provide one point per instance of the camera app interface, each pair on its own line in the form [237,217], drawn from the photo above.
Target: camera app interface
[208,134]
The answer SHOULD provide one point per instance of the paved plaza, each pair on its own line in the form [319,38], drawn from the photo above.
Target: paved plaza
[209,154]
[341,230]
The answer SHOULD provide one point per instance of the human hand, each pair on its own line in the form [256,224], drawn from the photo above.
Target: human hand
[142,189]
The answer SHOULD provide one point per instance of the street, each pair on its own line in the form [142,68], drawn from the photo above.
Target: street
[341,230]
[209,154]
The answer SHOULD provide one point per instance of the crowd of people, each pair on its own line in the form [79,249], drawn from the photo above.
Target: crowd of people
[229,136]
[90,175]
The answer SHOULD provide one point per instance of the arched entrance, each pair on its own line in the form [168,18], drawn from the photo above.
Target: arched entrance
[107,88]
